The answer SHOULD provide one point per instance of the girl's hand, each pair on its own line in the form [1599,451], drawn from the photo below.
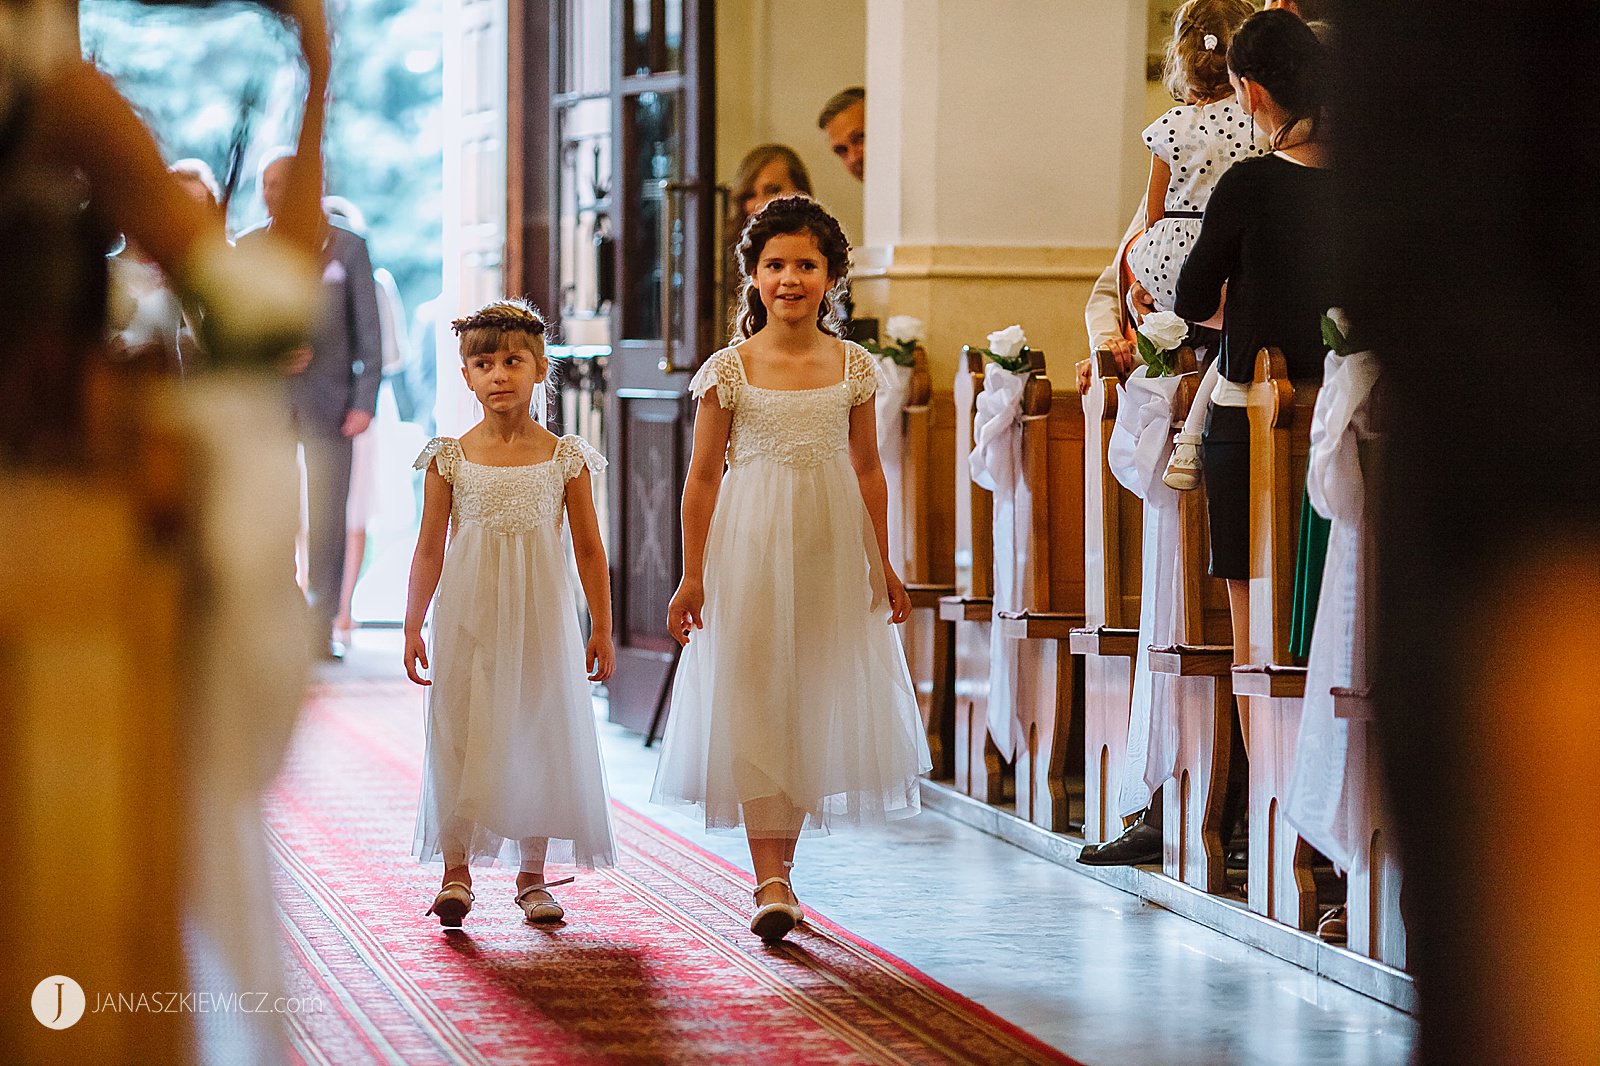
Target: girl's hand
[416,650]
[899,598]
[684,610]
[601,657]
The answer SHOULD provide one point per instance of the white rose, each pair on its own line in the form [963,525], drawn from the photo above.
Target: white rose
[905,330]
[1006,343]
[1165,330]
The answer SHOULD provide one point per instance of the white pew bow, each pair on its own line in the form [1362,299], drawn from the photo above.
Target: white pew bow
[1327,800]
[996,464]
[1141,441]
[894,383]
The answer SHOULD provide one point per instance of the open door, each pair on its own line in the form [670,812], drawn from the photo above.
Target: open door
[658,198]
[474,125]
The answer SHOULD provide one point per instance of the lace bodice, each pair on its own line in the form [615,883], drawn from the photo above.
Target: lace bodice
[509,499]
[797,427]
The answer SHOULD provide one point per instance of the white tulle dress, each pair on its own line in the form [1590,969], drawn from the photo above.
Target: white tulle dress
[512,755]
[793,708]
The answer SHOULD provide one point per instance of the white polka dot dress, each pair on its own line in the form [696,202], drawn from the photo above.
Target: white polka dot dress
[1198,142]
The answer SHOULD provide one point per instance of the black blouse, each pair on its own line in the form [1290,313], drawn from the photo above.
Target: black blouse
[1267,233]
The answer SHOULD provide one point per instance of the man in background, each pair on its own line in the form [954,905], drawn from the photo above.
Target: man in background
[333,391]
[844,120]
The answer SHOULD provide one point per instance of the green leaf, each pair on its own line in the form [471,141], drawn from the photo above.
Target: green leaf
[1333,338]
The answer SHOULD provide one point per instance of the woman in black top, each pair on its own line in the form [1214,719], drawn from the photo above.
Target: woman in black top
[1267,239]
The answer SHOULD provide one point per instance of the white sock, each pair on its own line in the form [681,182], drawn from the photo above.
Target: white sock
[1195,423]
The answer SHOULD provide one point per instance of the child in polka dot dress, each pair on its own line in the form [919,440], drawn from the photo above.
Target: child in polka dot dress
[1192,144]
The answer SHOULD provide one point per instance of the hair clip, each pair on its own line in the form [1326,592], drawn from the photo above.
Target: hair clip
[1211,42]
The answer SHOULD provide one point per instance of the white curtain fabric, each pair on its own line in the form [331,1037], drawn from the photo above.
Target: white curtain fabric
[1327,801]
[250,669]
[894,383]
[1141,442]
[996,464]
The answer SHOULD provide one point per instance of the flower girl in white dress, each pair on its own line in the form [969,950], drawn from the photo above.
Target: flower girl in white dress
[513,764]
[793,710]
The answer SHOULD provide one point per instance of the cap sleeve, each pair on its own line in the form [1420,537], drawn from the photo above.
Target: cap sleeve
[444,453]
[573,453]
[861,374]
[1162,135]
[721,372]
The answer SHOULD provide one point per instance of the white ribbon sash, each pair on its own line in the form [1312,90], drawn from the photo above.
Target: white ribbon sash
[1141,441]
[894,383]
[995,464]
[1327,800]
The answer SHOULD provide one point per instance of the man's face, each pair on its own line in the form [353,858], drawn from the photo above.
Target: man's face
[847,136]
[273,182]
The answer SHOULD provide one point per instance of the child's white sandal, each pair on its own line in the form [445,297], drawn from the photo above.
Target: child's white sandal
[1183,469]
[774,921]
[539,911]
[453,903]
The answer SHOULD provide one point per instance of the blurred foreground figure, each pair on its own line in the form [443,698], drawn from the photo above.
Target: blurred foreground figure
[1476,281]
[136,512]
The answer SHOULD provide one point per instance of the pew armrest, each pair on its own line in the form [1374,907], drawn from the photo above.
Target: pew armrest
[1038,625]
[1104,640]
[1192,660]
[1352,704]
[1277,682]
[928,596]
[966,608]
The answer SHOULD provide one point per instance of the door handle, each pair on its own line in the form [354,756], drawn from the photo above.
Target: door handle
[670,191]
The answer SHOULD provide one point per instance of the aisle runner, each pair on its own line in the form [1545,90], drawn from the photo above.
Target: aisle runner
[655,963]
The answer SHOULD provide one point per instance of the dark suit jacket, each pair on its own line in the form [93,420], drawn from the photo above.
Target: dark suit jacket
[347,353]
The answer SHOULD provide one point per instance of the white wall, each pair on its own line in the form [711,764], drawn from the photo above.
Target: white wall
[1015,121]
[776,65]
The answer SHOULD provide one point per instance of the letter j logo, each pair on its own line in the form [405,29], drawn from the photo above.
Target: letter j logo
[58,1002]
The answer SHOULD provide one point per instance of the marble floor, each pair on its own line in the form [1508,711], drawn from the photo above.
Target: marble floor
[1100,974]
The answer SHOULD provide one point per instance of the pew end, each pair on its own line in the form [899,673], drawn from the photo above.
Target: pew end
[925,502]
[1107,642]
[1271,689]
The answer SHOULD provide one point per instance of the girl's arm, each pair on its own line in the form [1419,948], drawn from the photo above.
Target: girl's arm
[875,494]
[1155,193]
[590,553]
[711,427]
[426,564]
[1215,255]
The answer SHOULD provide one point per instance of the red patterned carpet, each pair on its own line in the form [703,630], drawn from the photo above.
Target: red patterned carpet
[654,964]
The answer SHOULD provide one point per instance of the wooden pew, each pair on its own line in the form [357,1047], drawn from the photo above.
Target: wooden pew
[925,500]
[1049,550]
[1202,692]
[1107,640]
[979,770]
[1280,882]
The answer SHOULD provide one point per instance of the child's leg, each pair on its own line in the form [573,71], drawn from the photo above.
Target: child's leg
[1195,422]
[531,871]
[454,846]
[772,827]
[1183,468]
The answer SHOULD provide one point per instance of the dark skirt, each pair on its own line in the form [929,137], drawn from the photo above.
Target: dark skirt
[1225,460]
[1309,560]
